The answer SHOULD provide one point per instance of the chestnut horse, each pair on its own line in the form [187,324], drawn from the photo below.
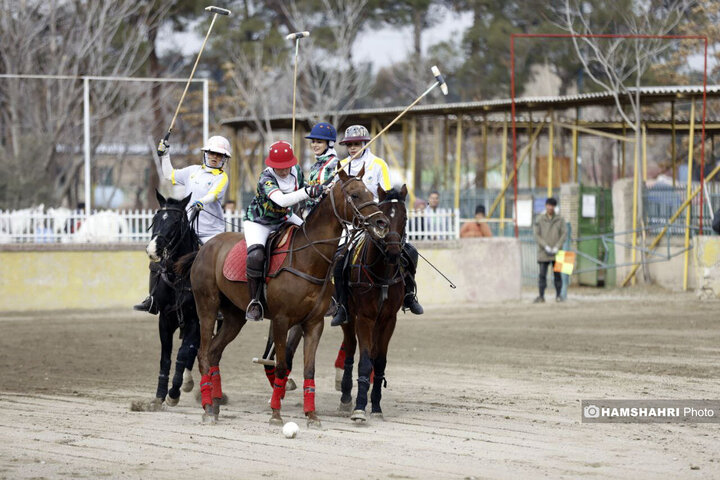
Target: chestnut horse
[299,294]
[375,294]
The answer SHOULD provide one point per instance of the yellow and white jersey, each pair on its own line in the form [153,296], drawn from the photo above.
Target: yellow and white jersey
[376,171]
[207,185]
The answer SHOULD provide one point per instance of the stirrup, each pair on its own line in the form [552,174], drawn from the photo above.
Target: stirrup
[341,317]
[147,305]
[252,304]
[411,303]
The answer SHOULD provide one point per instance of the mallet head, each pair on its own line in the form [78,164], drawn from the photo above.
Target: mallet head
[218,10]
[296,35]
[440,79]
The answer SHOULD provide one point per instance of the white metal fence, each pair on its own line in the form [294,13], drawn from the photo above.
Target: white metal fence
[62,225]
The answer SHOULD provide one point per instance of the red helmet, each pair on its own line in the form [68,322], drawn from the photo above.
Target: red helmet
[281,156]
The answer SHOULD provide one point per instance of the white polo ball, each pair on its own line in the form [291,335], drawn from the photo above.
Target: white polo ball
[290,430]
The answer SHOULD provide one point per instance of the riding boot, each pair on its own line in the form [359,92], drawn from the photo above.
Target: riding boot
[409,261]
[255,274]
[341,316]
[149,304]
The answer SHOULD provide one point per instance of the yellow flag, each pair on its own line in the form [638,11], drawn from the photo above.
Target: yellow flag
[564,262]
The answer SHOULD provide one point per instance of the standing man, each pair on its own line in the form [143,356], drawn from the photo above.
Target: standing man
[550,235]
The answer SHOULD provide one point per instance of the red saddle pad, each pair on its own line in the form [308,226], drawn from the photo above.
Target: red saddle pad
[234,268]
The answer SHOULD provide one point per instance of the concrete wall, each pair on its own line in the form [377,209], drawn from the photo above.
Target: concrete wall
[484,270]
[57,277]
[60,277]
[707,266]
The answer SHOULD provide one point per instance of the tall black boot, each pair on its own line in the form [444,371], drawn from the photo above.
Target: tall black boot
[341,316]
[410,257]
[149,304]
[255,273]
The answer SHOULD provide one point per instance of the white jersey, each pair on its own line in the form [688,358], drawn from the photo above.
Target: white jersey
[207,185]
[376,171]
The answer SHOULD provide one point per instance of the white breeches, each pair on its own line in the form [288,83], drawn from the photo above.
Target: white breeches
[256,233]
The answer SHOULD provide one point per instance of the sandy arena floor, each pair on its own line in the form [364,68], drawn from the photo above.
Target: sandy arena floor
[490,392]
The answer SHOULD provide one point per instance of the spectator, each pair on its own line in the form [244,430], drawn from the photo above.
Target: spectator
[716,222]
[230,206]
[478,228]
[436,222]
[550,235]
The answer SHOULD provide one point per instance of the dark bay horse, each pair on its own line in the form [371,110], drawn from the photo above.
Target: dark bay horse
[173,237]
[299,294]
[376,290]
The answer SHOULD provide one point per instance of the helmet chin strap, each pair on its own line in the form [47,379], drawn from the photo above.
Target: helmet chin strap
[205,162]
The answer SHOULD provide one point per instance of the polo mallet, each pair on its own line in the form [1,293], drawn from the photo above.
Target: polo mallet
[439,80]
[295,36]
[216,11]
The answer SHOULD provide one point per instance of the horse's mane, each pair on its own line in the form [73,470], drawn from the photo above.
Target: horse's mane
[394,194]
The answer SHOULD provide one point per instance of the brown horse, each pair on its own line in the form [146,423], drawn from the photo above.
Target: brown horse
[375,294]
[299,294]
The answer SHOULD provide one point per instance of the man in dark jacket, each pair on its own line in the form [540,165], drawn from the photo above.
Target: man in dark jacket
[716,222]
[550,235]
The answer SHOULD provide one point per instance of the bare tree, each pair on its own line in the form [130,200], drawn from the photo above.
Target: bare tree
[71,38]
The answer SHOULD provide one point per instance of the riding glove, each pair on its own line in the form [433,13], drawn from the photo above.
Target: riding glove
[163,148]
[197,205]
[315,191]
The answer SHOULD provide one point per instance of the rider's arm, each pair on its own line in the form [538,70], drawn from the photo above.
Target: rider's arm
[217,190]
[288,199]
[167,168]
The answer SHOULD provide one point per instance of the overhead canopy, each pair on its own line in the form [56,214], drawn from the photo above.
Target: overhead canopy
[523,105]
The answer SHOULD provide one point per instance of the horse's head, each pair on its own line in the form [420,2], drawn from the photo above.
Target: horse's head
[392,205]
[169,226]
[357,205]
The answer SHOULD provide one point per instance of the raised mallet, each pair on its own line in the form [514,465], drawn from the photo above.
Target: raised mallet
[295,36]
[215,11]
[439,81]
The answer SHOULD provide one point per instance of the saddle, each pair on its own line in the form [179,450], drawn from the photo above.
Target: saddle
[276,250]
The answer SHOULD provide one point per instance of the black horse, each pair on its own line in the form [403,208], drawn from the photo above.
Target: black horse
[173,237]
[376,292]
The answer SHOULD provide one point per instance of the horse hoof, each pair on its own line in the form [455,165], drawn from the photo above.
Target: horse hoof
[171,402]
[290,385]
[314,423]
[155,405]
[345,407]
[358,416]
[276,420]
[338,379]
[188,382]
[377,416]
[224,400]
[209,419]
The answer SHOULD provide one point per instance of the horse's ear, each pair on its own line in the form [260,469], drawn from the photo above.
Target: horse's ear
[161,200]
[361,173]
[403,192]
[382,194]
[343,176]
[185,201]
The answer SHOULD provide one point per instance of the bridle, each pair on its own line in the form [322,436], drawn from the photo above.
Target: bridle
[359,221]
[386,242]
[174,240]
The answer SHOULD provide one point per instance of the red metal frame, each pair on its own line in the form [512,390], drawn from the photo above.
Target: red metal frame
[570,35]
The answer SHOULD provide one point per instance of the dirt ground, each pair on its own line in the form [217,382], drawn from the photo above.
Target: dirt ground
[485,392]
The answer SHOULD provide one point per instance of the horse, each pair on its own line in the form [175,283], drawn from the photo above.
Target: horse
[173,237]
[375,294]
[298,294]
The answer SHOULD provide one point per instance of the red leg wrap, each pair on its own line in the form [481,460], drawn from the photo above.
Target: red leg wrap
[309,395]
[340,360]
[206,390]
[287,375]
[270,374]
[372,375]
[216,384]
[278,392]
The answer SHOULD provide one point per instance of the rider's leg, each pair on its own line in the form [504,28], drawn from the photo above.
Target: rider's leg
[149,304]
[341,316]
[410,261]
[255,267]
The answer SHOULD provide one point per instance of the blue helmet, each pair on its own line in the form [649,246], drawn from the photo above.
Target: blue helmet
[323,131]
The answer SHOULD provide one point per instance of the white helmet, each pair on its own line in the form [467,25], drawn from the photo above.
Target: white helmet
[218,144]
